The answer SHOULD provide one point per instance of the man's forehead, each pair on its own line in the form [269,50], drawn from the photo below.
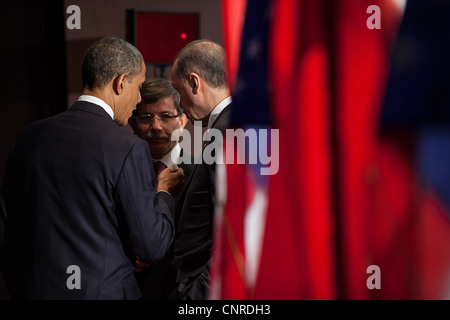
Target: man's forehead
[165,103]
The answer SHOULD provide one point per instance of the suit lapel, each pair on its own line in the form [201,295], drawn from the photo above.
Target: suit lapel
[188,170]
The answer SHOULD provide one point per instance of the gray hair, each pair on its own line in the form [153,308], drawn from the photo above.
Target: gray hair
[206,58]
[156,88]
[108,58]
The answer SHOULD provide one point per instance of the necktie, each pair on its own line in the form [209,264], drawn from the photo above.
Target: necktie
[159,166]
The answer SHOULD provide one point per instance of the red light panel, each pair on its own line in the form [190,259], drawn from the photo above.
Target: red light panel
[160,36]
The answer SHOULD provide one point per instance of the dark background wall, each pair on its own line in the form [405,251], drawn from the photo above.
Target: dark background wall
[33,66]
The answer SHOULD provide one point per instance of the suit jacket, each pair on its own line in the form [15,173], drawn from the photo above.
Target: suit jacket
[79,191]
[193,239]
[158,281]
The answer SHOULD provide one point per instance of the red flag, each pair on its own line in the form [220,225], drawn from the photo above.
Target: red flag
[296,259]
[298,243]
[343,199]
[360,57]
[233,13]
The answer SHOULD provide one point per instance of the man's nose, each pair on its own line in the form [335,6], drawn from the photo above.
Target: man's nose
[156,123]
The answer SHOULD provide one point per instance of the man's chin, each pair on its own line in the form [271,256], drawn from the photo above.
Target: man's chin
[158,144]
[158,154]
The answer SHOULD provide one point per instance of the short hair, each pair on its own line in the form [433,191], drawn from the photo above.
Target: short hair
[206,58]
[108,58]
[156,88]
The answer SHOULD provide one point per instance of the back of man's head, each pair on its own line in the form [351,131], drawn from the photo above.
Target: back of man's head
[207,59]
[108,58]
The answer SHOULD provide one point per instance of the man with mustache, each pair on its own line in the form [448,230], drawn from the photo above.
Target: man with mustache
[154,120]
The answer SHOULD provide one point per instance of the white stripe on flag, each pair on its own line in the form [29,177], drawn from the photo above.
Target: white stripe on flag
[255,221]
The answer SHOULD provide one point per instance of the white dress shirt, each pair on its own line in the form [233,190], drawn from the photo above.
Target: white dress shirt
[98,102]
[217,110]
[172,157]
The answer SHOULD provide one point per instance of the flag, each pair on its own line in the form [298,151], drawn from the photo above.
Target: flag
[297,260]
[294,254]
[359,62]
[344,198]
[416,118]
[242,189]
[233,16]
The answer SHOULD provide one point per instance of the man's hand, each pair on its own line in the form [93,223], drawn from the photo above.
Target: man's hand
[140,265]
[171,180]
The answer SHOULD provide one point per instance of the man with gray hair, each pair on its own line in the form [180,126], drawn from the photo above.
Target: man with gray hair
[199,75]
[79,199]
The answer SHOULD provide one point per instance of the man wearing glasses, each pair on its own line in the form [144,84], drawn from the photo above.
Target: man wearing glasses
[154,120]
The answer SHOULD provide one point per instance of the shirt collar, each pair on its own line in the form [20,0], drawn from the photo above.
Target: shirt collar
[217,110]
[171,157]
[99,102]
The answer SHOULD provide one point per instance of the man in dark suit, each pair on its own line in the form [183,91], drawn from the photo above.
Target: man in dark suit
[79,198]
[199,75]
[155,120]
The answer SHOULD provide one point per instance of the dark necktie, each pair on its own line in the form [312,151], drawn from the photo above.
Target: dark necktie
[159,166]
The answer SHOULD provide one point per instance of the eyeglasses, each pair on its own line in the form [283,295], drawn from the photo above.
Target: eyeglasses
[148,118]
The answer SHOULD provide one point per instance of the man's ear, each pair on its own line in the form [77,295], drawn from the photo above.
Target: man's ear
[119,83]
[194,82]
[183,120]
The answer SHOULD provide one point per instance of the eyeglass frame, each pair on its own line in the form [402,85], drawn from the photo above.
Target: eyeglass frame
[167,118]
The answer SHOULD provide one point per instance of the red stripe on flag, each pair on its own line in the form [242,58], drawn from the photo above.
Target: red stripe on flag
[361,59]
[233,16]
[298,238]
